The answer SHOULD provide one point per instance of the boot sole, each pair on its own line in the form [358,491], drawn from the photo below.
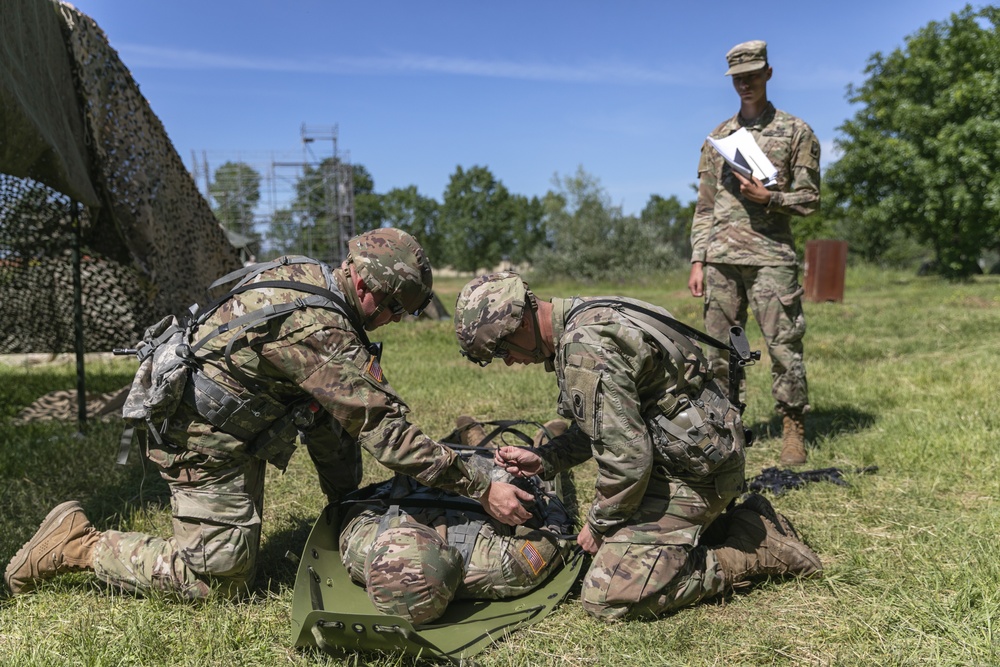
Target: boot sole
[52,519]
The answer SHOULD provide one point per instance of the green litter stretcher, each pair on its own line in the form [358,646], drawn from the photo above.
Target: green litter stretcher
[334,613]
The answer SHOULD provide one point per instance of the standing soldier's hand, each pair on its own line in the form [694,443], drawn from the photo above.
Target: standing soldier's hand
[696,281]
[752,189]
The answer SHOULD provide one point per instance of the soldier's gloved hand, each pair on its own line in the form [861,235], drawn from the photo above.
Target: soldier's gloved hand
[518,461]
[505,503]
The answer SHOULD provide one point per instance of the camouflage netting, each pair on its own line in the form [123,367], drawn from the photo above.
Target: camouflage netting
[77,129]
[62,406]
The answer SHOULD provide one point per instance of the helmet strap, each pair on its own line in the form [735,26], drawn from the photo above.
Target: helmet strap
[538,354]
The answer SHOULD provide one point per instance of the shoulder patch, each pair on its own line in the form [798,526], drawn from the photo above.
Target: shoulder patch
[535,560]
[374,370]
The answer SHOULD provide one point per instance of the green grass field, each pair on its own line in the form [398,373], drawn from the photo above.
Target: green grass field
[903,375]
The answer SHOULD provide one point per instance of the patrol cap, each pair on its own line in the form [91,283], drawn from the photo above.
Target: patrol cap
[747,57]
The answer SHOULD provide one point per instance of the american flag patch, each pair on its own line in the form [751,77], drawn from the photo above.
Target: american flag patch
[535,560]
[375,369]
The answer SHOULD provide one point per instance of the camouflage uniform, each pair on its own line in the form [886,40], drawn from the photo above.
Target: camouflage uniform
[414,561]
[649,512]
[216,485]
[748,248]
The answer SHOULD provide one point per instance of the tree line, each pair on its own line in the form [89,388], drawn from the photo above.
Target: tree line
[917,182]
[573,231]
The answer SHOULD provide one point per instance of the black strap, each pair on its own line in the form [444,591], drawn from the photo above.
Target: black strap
[322,298]
[665,319]
[340,305]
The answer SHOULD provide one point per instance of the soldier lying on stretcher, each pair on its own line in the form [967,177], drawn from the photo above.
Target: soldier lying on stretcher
[415,549]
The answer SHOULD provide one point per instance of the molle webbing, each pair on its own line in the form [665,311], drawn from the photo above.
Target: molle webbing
[266,425]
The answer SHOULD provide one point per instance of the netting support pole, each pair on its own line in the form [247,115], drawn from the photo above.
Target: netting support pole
[81,393]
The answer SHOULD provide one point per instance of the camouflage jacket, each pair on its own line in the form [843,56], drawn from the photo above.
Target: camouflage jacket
[314,353]
[610,373]
[728,229]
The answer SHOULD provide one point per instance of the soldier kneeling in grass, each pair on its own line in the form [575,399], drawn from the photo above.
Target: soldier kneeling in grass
[668,443]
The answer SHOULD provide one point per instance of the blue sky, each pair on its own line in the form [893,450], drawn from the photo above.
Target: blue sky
[627,90]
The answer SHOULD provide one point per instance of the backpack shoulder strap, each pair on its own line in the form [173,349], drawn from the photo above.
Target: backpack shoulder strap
[320,297]
[672,335]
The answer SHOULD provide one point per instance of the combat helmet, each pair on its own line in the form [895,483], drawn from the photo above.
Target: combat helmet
[391,262]
[412,572]
[490,308]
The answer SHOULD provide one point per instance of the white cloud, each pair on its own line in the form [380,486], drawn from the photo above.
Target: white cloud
[137,55]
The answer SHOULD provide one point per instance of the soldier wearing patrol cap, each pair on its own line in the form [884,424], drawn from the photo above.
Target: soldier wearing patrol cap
[667,442]
[742,249]
[284,355]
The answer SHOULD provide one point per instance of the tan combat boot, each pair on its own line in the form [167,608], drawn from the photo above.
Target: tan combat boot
[756,546]
[552,429]
[471,432]
[793,439]
[64,543]
[761,505]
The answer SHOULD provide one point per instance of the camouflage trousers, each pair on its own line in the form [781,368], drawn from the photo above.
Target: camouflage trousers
[216,505]
[775,297]
[419,577]
[654,564]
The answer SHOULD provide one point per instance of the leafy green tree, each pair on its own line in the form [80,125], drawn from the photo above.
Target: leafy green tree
[328,194]
[235,191]
[368,212]
[590,239]
[282,236]
[476,220]
[921,157]
[672,220]
[407,209]
[527,219]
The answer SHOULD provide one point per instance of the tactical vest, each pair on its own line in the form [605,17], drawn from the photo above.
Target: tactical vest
[695,428]
[171,371]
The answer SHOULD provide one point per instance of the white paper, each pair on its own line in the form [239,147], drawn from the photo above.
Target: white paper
[744,155]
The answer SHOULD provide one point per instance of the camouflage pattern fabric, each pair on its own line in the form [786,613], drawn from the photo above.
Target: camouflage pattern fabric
[309,354]
[655,564]
[729,229]
[149,240]
[649,514]
[314,353]
[411,574]
[216,505]
[392,262]
[62,406]
[383,551]
[749,250]
[774,295]
[488,309]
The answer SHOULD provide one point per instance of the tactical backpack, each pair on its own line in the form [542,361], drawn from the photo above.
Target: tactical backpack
[696,428]
[170,369]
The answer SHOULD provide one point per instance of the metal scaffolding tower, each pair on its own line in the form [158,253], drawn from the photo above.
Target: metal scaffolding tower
[306,202]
